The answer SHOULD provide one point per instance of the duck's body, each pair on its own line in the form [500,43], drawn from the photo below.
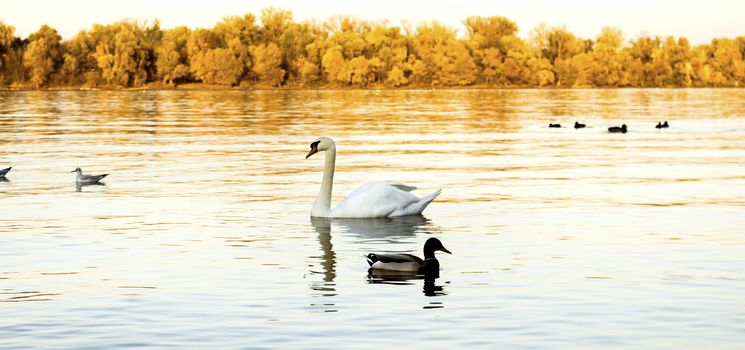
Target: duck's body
[617,129]
[371,200]
[5,171]
[81,178]
[550,125]
[408,262]
[578,125]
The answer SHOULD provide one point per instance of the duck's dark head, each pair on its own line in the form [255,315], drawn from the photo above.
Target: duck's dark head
[432,245]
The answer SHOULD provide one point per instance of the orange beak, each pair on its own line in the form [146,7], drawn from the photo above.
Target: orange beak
[313,150]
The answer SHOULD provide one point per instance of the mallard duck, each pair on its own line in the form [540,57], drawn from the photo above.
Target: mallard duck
[86,179]
[550,125]
[621,129]
[408,262]
[5,171]
[577,125]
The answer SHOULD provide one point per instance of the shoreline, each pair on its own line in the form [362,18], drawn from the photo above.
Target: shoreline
[206,87]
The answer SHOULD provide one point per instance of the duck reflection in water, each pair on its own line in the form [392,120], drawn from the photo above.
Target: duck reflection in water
[374,229]
[400,268]
[430,287]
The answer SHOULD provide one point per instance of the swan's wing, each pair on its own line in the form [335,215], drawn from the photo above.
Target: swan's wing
[417,207]
[369,185]
[401,186]
[375,199]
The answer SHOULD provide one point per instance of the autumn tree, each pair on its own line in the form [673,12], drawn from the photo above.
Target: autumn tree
[292,39]
[222,55]
[307,72]
[126,57]
[237,34]
[607,64]
[333,64]
[501,56]
[559,46]
[7,39]
[388,51]
[42,55]
[676,55]
[725,63]
[274,50]
[647,67]
[200,49]
[446,60]
[172,56]
[268,64]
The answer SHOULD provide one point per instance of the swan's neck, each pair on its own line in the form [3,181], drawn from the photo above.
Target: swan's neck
[322,206]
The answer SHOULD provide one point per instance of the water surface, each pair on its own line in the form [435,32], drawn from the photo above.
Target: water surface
[201,236]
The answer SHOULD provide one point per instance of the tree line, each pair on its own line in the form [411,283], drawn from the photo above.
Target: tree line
[275,51]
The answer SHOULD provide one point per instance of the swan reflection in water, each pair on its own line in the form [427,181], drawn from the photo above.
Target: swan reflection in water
[383,230]
[79,185]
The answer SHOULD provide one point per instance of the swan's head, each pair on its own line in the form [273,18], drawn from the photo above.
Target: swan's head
[323,143]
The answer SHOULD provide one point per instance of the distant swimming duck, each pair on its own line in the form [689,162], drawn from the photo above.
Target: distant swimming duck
[550,125]
[659,125]
[5,171]
[577,125]
[665,124]
[87,179]
[621,129]
[408,262]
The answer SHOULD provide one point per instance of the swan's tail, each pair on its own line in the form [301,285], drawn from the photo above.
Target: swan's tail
[418,207]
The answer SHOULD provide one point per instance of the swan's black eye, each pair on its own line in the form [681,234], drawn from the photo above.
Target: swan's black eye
[314,144]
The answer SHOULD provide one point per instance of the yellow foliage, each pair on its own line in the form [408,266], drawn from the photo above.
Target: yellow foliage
[346,51]
[268,59]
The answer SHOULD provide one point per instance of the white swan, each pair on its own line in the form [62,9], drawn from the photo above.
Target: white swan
[371,200]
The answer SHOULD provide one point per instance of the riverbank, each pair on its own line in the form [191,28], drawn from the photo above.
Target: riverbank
[202,86]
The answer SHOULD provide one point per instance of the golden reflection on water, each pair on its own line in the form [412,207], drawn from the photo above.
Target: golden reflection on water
[206,212]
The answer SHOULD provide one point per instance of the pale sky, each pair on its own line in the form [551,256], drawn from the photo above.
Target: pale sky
[699,21]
